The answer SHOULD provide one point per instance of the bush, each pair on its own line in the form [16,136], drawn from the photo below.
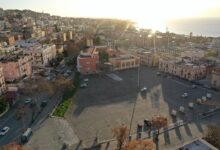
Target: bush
[3,106]
[68,94]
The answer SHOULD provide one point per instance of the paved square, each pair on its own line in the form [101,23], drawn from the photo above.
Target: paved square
[107,103]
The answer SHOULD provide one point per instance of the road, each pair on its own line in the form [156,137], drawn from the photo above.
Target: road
[17,127]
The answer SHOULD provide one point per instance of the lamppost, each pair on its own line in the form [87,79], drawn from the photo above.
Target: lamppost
[138,87]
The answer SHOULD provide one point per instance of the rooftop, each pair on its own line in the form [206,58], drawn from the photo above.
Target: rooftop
[12,57]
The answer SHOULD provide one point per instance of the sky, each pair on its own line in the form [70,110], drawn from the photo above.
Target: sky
[147,13]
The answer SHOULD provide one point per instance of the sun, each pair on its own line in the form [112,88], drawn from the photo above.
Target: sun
[151,24]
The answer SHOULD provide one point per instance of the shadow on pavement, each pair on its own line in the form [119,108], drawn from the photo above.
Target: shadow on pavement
[188,131]
[178,134]
[166,136]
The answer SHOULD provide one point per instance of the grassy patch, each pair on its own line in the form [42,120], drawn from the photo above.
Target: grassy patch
[64,105]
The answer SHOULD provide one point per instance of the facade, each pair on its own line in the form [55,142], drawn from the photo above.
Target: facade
[41,55]
[7,38]
[215,78]
[86,63]
[181,69]
[69,35]
[148,58]
[193,54]
[2,81]
[89,42]
[16,67]
[125,62]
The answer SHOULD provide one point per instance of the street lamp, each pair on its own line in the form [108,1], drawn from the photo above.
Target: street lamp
[153,34]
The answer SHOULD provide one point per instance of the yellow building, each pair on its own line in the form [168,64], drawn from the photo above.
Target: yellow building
[125,62]
[182,69]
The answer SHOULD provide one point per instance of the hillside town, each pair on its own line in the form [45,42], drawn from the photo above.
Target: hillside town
[73,80]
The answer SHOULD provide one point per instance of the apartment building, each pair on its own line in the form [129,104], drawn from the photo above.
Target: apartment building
[185,70]
[16,66]
[86,63]
[2,81]
[7,38]
[125,61]
[41,55]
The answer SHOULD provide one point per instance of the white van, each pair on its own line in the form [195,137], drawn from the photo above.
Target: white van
[26,135]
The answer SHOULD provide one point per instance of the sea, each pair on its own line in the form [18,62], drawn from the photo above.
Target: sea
[209,27]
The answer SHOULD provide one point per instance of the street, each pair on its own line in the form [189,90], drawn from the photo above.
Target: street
[17,127]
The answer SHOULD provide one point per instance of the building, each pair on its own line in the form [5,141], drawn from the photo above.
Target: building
[185,70]
[86,63]
[89,42]
[2,81]
[147,58]
[7,38]
[215,78]
[197,144]
[41,55]
[125,62]
[194,55]
[16,66]
[69,35]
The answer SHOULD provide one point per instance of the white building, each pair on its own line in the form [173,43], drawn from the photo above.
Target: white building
[41,55]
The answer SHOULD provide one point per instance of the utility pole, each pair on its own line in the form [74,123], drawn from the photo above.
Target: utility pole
[133,110]
[138,77]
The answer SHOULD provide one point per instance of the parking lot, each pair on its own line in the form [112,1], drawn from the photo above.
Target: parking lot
[107,102]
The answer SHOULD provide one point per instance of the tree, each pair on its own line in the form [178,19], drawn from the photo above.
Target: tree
[159,122]
[57,29]
[97,40]
[103,56]
[212,135]
[11,146]
[139,145]
[121,134]
[3,105]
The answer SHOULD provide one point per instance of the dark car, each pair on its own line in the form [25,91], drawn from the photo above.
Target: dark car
[43,104]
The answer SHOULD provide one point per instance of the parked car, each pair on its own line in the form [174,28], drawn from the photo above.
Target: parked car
[193,86]
[184,95]
[4,130]
[158,73]
[86,80]
[83,85]
[209,95]
[43,104]
[26,135]
[164,76]
[144,89]
[27,101]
